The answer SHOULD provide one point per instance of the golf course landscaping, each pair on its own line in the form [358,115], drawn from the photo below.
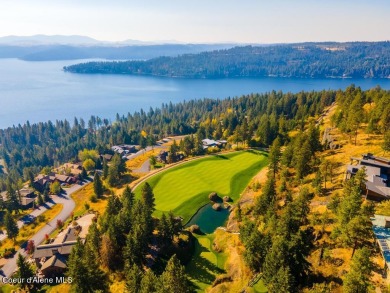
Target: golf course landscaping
[183,189]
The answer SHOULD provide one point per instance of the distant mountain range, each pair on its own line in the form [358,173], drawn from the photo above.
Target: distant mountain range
[58,47]
[72,40]
[48,40]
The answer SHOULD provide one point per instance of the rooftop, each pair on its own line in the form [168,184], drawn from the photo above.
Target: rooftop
[56,260]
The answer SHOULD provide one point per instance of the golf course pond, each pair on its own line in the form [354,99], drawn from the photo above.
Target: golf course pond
[209,219]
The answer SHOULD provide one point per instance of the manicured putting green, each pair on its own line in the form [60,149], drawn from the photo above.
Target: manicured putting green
[185,188]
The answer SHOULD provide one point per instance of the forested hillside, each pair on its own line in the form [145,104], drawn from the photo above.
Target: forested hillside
[263,115]
[256,119]
[300,220]
[305,60]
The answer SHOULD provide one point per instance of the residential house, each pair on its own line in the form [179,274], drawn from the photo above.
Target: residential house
[162,157]
[377,185]
[108,157]
[70,169]
[26,197]
[213,143]
[51,258]
[42,181]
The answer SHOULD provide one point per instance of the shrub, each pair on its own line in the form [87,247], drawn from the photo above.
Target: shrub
[41,218]
[256,186]
[30,247]
[9,252]
[93,198]
[60,224]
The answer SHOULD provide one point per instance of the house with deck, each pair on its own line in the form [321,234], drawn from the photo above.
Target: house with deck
[377,185]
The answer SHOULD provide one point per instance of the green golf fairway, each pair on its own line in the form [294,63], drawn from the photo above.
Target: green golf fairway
[185,188]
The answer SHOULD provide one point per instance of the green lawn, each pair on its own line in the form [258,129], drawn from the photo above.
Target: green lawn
[259,287]
[206,263]
[185,188]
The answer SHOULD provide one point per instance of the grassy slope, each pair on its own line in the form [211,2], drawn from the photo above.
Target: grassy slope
[83,196]
[206,263]
[185,188]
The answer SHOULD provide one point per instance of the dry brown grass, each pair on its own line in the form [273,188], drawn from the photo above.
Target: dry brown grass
[339,262]
[82,196]
[27,231]
[61,288]
[234,266]
[336,266]
[138,161]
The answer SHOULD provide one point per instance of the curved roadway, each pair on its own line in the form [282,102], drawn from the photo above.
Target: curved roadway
[68,207]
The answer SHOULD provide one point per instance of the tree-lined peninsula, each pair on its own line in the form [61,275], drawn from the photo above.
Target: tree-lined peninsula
[302,60]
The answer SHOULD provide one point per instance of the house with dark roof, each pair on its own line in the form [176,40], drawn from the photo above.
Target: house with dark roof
[108,157]
[51,258]
[162,156]
[42,181]
[26,197]
[377,185]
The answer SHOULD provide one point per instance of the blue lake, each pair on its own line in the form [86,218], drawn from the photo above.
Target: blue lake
[41,91]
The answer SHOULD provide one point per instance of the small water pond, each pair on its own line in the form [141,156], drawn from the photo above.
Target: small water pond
[209,219]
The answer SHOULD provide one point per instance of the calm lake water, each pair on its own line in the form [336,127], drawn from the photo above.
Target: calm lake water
[41,91]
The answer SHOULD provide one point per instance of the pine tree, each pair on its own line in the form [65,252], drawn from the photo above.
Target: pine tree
[40,199]
[105,168]
[98,185]
[136,246]
[83,267]
[98,164]
[94,238]
[84,174]
[97,279]
[302,159]
[148,197]
[282,281]
[11,226]
[150,283]
[24,272]
[46,196]
[358,277]
[133,279]
[115,171]
[77,269]
[274,156]
[12,199]
[127,198]
[268,196]
[2,205]
[174,278]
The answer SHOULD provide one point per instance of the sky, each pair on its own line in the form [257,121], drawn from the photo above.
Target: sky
[200,21]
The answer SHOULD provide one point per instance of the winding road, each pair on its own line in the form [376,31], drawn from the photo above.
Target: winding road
[68,207]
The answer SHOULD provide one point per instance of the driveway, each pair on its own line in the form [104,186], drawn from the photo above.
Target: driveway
[68,207]
[145,168]
[141,152]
